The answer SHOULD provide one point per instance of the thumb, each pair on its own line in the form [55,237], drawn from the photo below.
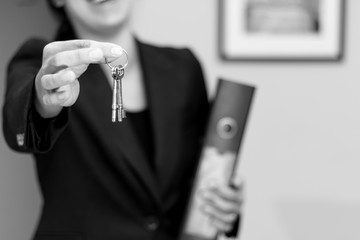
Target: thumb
[238,182]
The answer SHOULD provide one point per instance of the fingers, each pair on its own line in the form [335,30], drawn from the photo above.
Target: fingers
[226,201]
[61,46]
[238,182]
[76,57]
[64,96]
[223,204]
[233,193]
[221,220]
[63,63]
[73,58]
[61,55]
[217,213]
[53,81]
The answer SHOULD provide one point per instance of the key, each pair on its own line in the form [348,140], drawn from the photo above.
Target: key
[118,111]
[117,73]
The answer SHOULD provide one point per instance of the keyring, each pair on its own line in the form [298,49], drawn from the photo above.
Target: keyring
[117,73]
[123,66]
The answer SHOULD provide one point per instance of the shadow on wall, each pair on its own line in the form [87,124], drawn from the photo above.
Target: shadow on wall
[316,219]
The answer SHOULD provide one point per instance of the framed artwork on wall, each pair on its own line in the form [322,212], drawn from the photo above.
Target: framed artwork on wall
[252,30]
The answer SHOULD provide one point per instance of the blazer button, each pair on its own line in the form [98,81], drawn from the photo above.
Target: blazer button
[152,223]
[20,138]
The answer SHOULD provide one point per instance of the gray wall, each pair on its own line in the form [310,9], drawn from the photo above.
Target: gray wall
[300,157]
[19,195]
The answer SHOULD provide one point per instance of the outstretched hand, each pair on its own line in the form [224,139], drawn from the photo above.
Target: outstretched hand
[63,62]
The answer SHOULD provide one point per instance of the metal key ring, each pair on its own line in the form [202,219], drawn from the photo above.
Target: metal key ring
[123,66]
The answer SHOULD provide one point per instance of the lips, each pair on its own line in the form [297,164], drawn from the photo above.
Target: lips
[98,1]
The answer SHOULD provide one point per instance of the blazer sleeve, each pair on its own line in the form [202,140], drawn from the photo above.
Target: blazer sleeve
[24,129]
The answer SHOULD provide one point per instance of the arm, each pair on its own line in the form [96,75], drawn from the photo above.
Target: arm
[42,83]
[23,128]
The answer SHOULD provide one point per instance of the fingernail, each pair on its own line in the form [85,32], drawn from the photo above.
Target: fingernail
[96,54]
[117,51]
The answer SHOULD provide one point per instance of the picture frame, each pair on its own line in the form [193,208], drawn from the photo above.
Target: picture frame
[281,30]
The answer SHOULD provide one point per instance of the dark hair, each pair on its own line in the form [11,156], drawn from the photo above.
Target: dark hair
[58,11]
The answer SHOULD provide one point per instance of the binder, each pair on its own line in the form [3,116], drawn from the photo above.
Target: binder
[225,130]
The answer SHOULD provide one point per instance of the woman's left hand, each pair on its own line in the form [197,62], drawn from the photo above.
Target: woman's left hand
[223,203]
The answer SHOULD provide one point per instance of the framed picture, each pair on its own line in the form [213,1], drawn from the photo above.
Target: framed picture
[281,29]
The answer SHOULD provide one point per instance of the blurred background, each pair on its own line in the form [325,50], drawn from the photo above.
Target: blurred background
[300,156]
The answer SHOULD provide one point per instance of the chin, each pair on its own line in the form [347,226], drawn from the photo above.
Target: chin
[99,16]
[108,27]
[112,23]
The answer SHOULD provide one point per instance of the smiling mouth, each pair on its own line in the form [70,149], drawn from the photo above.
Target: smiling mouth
[98,1]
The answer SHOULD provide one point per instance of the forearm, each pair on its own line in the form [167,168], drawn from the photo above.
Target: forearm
[24,130]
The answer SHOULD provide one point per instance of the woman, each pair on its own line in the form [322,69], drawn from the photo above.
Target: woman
[99,179]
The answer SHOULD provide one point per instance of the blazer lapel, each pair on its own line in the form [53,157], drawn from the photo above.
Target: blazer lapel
[159,78]
[123,132]
[120,132]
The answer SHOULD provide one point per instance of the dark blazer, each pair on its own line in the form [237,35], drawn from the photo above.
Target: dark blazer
[95,179]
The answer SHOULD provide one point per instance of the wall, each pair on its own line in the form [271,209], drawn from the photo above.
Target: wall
[19,195]
[300,157]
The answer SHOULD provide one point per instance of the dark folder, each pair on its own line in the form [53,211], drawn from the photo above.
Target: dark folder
[225,130]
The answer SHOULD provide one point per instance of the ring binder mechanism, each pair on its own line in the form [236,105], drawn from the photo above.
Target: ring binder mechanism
[226,126]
